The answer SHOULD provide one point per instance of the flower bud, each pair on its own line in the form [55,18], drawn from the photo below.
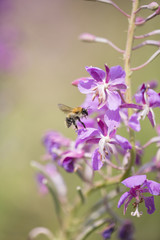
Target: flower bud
[158,11]
[76,81]
[87,37]
[106,234]
[153,6]
[139,21]
[153,84]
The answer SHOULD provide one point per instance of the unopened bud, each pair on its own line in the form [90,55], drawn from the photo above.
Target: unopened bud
[153,84]
[87,37]
[106,234]
[157,12]
[153,6]
[139,21]
[76,82]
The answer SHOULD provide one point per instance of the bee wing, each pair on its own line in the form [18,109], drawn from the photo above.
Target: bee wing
[65,108]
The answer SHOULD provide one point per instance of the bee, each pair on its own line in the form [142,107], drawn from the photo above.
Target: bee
[73,114]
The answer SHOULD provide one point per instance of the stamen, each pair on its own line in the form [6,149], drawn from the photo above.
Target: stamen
[136,213]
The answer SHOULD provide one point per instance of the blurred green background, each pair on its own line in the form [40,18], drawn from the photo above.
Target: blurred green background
[46,56]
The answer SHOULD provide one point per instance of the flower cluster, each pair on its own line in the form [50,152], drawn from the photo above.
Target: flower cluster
[99,145]
[99,141]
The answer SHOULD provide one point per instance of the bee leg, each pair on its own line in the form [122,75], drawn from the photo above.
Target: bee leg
[74,123]
[81,122]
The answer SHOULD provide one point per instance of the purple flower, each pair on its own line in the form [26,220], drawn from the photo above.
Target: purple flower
[69,159]
[42,187]
[106,138]
[53,141]
[104,85]
[106,234]
[138,186]
[147,99]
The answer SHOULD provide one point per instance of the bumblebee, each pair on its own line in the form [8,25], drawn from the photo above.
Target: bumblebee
[73,114]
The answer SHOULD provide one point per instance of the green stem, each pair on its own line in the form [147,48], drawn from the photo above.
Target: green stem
[127,68]
[88,230]
[128,50]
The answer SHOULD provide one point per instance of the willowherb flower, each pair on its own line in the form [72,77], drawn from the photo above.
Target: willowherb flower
[105,136]
[139,185]
[69,159]
[53,142]
[147,99]
[104,85]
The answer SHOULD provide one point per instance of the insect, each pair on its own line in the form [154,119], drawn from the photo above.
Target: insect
[73,114]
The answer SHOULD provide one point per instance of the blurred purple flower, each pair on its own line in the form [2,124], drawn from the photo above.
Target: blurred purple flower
[104,85]
[138,186]
[153,84]
[126,231]
[106,234]
[53,141]
[55,177]
[69,158]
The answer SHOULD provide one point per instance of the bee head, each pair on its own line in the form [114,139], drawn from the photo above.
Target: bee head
[84,112]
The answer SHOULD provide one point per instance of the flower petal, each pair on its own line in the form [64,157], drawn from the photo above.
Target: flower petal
[122,199]
[86,134]
[151,117]
[102,126]
[96,73]
[96,160]
[123,142]
[117,84]
[154,98]
[85,86]
[134,122]
[154,187]
[149,203]
[68,164]
[113,100]
[107,73]
[112,119]
[134,181]
[116,72]
[73,154]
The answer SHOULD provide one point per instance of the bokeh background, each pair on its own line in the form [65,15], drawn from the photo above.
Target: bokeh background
[40,55]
